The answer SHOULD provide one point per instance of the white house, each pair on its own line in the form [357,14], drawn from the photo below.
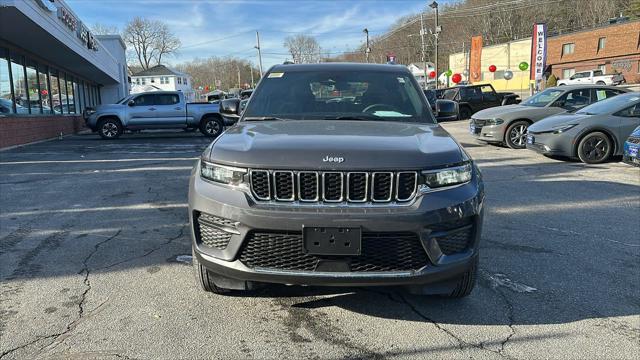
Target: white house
[417,69]
[161,77]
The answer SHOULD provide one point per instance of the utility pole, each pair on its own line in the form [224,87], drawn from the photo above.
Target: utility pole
[259,53]
[238,68]
[367,50]
[424,53]
[252,83]
[434,6]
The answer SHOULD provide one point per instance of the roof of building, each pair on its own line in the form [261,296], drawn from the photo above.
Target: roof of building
[112,37]
[159,70]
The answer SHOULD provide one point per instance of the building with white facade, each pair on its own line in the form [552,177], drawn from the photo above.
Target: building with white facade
[163,78]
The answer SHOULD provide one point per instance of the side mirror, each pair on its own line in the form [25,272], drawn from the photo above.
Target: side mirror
[446,109]
[230,107]
[131,103]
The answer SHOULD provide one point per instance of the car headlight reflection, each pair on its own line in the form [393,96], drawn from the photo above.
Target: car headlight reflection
[447,177]
[222,174]
[562,128]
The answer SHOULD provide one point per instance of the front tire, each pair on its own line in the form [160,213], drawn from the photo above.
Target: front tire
[203,278]
[595,148]
[516,135]
[109,128]
[211,126]
[465,283]
[464,114]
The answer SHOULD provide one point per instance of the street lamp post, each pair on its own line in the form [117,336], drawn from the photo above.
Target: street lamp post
[424,53]
[367,50]
[434,5]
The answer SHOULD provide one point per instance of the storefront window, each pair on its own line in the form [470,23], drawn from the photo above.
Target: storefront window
[19,85]
[73,88]
[82,102]
[34,88]
[6,101]
[63,94]
[56,101]
[45,94]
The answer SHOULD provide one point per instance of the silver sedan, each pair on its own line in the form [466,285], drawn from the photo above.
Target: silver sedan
[592,134]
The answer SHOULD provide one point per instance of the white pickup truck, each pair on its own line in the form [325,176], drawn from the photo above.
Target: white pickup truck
[592,77]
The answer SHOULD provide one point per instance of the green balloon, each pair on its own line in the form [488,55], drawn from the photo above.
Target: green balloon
[523,66]
[448,72]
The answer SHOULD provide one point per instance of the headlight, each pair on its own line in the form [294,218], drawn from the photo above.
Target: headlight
[447,177]
[562,128]
[222,174]
[495,121]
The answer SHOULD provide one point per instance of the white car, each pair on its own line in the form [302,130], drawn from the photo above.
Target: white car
[592,77]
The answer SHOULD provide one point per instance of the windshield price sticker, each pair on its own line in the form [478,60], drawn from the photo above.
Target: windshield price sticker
[276,75]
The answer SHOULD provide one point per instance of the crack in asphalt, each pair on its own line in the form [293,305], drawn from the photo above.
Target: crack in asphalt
[149,252]
[71,326]
[461,343]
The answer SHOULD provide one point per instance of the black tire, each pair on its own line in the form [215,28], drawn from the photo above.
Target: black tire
[211,126]
[516,135]
[465,283]
[109,128]
[464,113]
[595,148]
[203,279]
[600,83]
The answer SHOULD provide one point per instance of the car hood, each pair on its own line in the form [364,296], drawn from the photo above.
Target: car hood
[512,112]
[107,107]
[547,124]
[303,144]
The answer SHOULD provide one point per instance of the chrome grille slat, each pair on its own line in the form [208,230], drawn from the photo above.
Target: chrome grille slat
[380,182]
[333,187]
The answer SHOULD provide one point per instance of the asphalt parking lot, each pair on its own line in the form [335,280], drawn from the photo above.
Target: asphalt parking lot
[95,263]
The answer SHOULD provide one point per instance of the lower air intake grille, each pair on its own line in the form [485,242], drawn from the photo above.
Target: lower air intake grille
[208,231]
[381,251]
[454,241]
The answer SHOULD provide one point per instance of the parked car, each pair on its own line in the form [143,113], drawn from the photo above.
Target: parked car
[245,94]
[336,174]
[6,108]
[591,77]
[154,110]
[473,98]
[593,134]
[508,124]
[631,148]
[443,110]
[214,97]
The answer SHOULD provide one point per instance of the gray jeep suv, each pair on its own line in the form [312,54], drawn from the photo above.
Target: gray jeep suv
[336,174]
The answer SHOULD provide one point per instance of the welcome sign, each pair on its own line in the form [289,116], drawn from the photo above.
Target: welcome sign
[538,51]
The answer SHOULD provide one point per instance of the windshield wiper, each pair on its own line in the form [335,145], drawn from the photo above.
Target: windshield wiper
[352,117]
[261,118]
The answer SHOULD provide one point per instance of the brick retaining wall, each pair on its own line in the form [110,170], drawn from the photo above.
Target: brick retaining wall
[17,130]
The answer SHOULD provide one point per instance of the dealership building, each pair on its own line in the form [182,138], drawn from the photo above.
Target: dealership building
[52,68]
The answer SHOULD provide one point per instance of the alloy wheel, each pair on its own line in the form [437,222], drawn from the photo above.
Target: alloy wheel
[595,148]
[212,127]
[518,134]
[110,129]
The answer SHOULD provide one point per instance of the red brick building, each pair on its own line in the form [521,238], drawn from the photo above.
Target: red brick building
[612,48]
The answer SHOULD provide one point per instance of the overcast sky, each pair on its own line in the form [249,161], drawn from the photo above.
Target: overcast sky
[223,28]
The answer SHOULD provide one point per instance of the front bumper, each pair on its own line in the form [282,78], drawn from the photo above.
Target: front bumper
[551,144]
[489,133]
[631,154]
[423,217]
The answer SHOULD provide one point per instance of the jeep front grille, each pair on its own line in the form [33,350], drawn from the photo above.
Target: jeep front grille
[333,186]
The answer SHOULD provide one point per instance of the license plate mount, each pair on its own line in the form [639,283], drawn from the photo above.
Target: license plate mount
[332,241]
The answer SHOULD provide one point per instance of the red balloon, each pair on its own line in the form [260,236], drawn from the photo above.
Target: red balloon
[492,68]
[432,74]
[456,78]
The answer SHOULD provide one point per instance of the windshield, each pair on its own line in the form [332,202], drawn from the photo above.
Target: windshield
[449,94]
[124,99]
[339,95]
[610,105]
[544,98]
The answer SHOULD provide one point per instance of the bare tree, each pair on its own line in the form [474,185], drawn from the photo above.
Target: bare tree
[303,48]
[104,29]
[149,41]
